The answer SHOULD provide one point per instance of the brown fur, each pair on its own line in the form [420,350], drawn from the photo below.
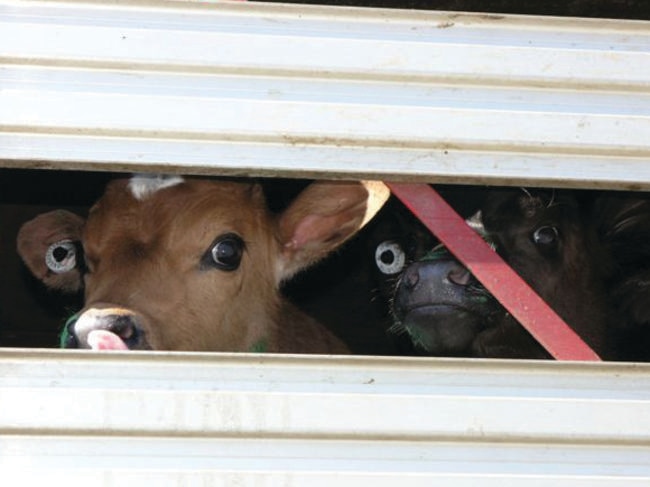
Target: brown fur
[570,278]
[43,231]
[144,256]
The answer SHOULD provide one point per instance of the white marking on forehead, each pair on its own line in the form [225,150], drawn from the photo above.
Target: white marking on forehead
[144,185]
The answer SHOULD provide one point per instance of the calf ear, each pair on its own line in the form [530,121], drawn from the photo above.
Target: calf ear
[322,217]
[50,247]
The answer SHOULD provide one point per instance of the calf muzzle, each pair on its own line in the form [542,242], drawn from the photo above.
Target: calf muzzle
[104,328]
[440,305]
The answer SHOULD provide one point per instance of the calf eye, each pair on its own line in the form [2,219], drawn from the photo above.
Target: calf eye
[389,257]
[226,252]
[61,256]
[546,236]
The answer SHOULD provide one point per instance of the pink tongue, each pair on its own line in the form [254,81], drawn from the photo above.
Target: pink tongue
[105,340]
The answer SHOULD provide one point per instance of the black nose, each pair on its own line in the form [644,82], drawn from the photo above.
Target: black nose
[432,283]
[442,272]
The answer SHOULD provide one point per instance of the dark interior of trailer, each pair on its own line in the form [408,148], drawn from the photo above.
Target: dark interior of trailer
[359,294]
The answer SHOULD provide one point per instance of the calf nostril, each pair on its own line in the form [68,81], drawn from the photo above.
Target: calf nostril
[459,276]
[125,327]
[411,277]
[126,331]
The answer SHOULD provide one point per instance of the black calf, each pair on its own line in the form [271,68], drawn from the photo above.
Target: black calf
[586,254]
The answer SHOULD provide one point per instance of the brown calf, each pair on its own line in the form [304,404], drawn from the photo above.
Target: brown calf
[194,264]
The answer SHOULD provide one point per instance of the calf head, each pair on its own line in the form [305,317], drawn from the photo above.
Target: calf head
[550,241]
[441,306]
[168,263]
[395,238]
[624,228]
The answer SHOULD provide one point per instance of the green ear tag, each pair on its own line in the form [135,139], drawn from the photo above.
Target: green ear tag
[64,336]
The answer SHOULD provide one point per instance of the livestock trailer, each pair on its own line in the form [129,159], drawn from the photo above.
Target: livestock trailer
[295,91]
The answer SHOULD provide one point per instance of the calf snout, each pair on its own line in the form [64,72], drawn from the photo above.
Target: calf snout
[105,328]
[429,282]
[440,305]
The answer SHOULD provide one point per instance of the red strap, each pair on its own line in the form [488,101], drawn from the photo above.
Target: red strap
[492,271]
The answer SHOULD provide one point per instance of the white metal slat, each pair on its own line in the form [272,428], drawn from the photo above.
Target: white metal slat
[280,420]
[272,89]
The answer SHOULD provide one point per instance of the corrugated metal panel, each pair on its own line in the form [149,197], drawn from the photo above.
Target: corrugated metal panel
[244,88]
[211,419]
